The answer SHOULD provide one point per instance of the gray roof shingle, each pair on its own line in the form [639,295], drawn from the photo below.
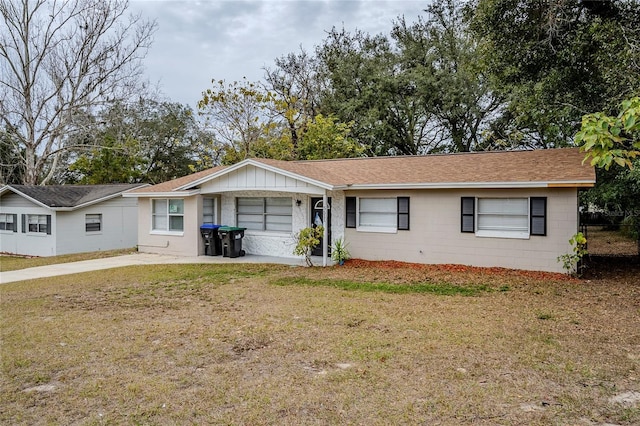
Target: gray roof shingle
[70,196]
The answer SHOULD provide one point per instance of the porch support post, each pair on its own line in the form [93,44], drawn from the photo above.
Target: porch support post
[325,234]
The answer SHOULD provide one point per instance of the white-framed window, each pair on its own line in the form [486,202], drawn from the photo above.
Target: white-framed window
[369,214]
[265,214]
[377,214]
[93,222]
[504,217]
[209,210]
[8,222]
[167,215]
[38,223]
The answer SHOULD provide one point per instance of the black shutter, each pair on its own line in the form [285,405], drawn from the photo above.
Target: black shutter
[24,223]
[467,217]
[403,213]
[538,215]
[351,212]
[48,224]
[15,223]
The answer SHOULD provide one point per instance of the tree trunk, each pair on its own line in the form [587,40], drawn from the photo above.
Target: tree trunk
[30,171]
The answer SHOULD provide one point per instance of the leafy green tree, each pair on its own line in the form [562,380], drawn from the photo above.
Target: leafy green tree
[440,56]
[146,141]
[239,116]
[294,84]
[358,76]
[554,61]
[324,138]
[612,139]
[612,144]
[114,161]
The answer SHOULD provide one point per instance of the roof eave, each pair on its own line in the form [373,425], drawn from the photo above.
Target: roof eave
[475,185]
[99,200]
[306,179]
[22,194]
[170,194]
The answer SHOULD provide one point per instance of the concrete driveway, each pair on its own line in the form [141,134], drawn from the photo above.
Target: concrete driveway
[136,259]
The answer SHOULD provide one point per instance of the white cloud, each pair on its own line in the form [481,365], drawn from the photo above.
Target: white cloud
[198,41]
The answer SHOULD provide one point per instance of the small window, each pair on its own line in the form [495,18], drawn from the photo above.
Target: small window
[538,224]
[403,213]
[352,211]
[467,223]
[208,210]
[168,215]
[93,222]
[8,222]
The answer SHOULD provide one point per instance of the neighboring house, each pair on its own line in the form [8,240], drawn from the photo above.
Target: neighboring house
[61,219]
[513,209]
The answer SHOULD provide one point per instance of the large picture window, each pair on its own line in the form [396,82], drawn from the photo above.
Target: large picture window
[504,217]
[264,214]
[377,214]
[168,215]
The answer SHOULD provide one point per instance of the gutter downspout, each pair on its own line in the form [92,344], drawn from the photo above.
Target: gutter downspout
[325,233]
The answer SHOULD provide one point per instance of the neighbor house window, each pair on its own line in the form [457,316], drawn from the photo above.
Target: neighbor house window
[377,214]
[36,223]
[8,222]
[208,210]
[168,215]
[264,214]
[93,222]
[504,217]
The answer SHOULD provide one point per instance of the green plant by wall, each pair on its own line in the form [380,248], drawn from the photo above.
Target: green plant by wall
[571,262]
[339,252]
[306,240]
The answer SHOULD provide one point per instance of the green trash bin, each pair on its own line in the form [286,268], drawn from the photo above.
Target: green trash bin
[231,241]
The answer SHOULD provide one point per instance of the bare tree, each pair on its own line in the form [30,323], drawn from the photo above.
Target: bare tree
[59,61]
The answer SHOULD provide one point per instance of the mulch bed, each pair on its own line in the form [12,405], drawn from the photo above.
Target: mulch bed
[451,268]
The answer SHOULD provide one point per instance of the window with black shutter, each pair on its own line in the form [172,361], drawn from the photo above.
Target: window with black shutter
[403,213]
[538,215]
[467,219]
[351,212]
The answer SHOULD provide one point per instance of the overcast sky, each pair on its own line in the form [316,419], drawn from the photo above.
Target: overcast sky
[197,41]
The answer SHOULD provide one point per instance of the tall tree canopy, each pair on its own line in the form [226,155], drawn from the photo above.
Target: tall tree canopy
[144,141]
[59,61]
[557,60]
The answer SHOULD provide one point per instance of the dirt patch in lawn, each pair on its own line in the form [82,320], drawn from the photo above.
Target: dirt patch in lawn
[255,344]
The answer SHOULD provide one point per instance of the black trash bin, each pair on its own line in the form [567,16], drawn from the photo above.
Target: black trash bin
[212,244]
[231,240]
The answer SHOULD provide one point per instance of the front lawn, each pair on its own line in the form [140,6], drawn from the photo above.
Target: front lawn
[10,262]
[368,343]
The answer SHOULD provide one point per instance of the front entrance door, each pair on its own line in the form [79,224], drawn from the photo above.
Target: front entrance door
[316,220]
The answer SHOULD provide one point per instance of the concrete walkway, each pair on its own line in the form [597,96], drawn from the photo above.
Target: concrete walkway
[137,259]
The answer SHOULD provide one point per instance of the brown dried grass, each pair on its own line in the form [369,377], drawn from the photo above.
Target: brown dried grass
[219,344]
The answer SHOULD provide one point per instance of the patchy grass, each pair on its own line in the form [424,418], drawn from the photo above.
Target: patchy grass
[221,344]
[13,263]
[443,289]
[610,243]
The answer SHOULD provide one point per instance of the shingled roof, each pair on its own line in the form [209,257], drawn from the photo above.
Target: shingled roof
[545,167]
[65,197]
